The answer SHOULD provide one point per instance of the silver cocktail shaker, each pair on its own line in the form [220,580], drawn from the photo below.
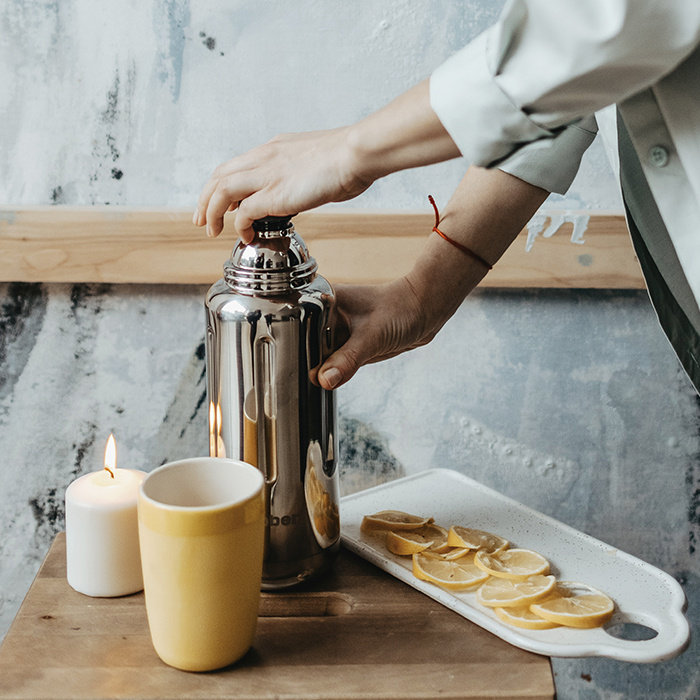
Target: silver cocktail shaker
[268,330]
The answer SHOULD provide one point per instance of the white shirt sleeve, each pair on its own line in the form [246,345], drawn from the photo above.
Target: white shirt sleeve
[547,63]
[552,163]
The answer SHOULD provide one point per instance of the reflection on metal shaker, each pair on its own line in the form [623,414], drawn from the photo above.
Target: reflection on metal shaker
[268,329]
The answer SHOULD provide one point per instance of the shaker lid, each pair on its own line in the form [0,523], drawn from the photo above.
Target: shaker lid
[274,262]
[272,223]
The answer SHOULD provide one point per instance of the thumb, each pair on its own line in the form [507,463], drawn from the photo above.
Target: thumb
[342,365]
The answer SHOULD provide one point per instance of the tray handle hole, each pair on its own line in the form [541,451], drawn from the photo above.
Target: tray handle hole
[631,631]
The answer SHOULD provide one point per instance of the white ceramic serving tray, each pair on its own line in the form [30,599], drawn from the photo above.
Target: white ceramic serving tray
[643,594]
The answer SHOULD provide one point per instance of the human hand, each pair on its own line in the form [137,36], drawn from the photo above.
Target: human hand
[296,172]
[375,322]
[486,213]
[289,174]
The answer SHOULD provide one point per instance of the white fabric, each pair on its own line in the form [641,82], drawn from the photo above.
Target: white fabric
[552,163]
[550,64]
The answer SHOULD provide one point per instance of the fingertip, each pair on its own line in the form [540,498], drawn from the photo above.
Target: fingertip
[212,232]
[244,227]
[330,378]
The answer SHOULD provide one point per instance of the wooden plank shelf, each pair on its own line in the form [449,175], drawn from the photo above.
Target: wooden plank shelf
[116,244]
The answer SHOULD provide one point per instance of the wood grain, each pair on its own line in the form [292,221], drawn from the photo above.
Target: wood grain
[126,245]
[358,634]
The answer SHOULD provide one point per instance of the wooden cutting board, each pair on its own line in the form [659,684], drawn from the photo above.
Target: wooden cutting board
[359,633]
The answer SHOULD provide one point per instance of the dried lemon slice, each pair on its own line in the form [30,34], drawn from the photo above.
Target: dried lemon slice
[438,535]
[523,617]
[575,605]
[504,593]
[515,564]
[522,593]
[408,542]
[453,575]
[459,536]
[454,553]
[393,520]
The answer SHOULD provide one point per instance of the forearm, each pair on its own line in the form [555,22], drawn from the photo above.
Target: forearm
[406,133]
[296,172]
[486,212]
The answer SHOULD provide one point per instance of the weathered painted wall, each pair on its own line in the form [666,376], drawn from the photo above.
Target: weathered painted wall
[571,402]
[127,102]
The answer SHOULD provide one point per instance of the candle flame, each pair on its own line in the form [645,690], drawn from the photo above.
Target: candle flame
[111,456]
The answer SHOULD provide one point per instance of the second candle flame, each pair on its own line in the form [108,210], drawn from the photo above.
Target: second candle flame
[111,456]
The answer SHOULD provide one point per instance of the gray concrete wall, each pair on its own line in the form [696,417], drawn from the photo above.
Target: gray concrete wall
[571,402]
[128,102]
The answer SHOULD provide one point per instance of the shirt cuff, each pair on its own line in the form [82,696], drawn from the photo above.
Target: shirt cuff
[484,124]
[553,164]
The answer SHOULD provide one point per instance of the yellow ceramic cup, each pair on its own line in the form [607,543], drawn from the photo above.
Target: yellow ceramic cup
[201,531]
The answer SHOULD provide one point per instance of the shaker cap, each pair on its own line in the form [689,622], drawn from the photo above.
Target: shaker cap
[276,261]
[272,223]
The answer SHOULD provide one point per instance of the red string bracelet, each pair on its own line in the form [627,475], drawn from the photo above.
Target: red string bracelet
[456,244]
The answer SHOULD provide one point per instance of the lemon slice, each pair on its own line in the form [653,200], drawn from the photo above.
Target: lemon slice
[454,553]
[504,593]
[523,617]
[408,542]
[459,536]
[515,564]
[575,605]
[453,575]
[438,535]
[393,520]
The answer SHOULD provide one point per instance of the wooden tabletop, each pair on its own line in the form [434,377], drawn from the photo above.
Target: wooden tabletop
[359,633]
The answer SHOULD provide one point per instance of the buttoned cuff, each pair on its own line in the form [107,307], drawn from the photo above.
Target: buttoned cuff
[484,124]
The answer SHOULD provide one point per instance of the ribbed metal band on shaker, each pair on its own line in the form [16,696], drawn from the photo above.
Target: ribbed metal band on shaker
[246,280]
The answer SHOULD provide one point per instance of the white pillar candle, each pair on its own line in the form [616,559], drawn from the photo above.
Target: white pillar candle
[102,540]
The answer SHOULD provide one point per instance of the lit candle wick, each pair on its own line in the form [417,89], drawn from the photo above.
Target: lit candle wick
[111,456]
